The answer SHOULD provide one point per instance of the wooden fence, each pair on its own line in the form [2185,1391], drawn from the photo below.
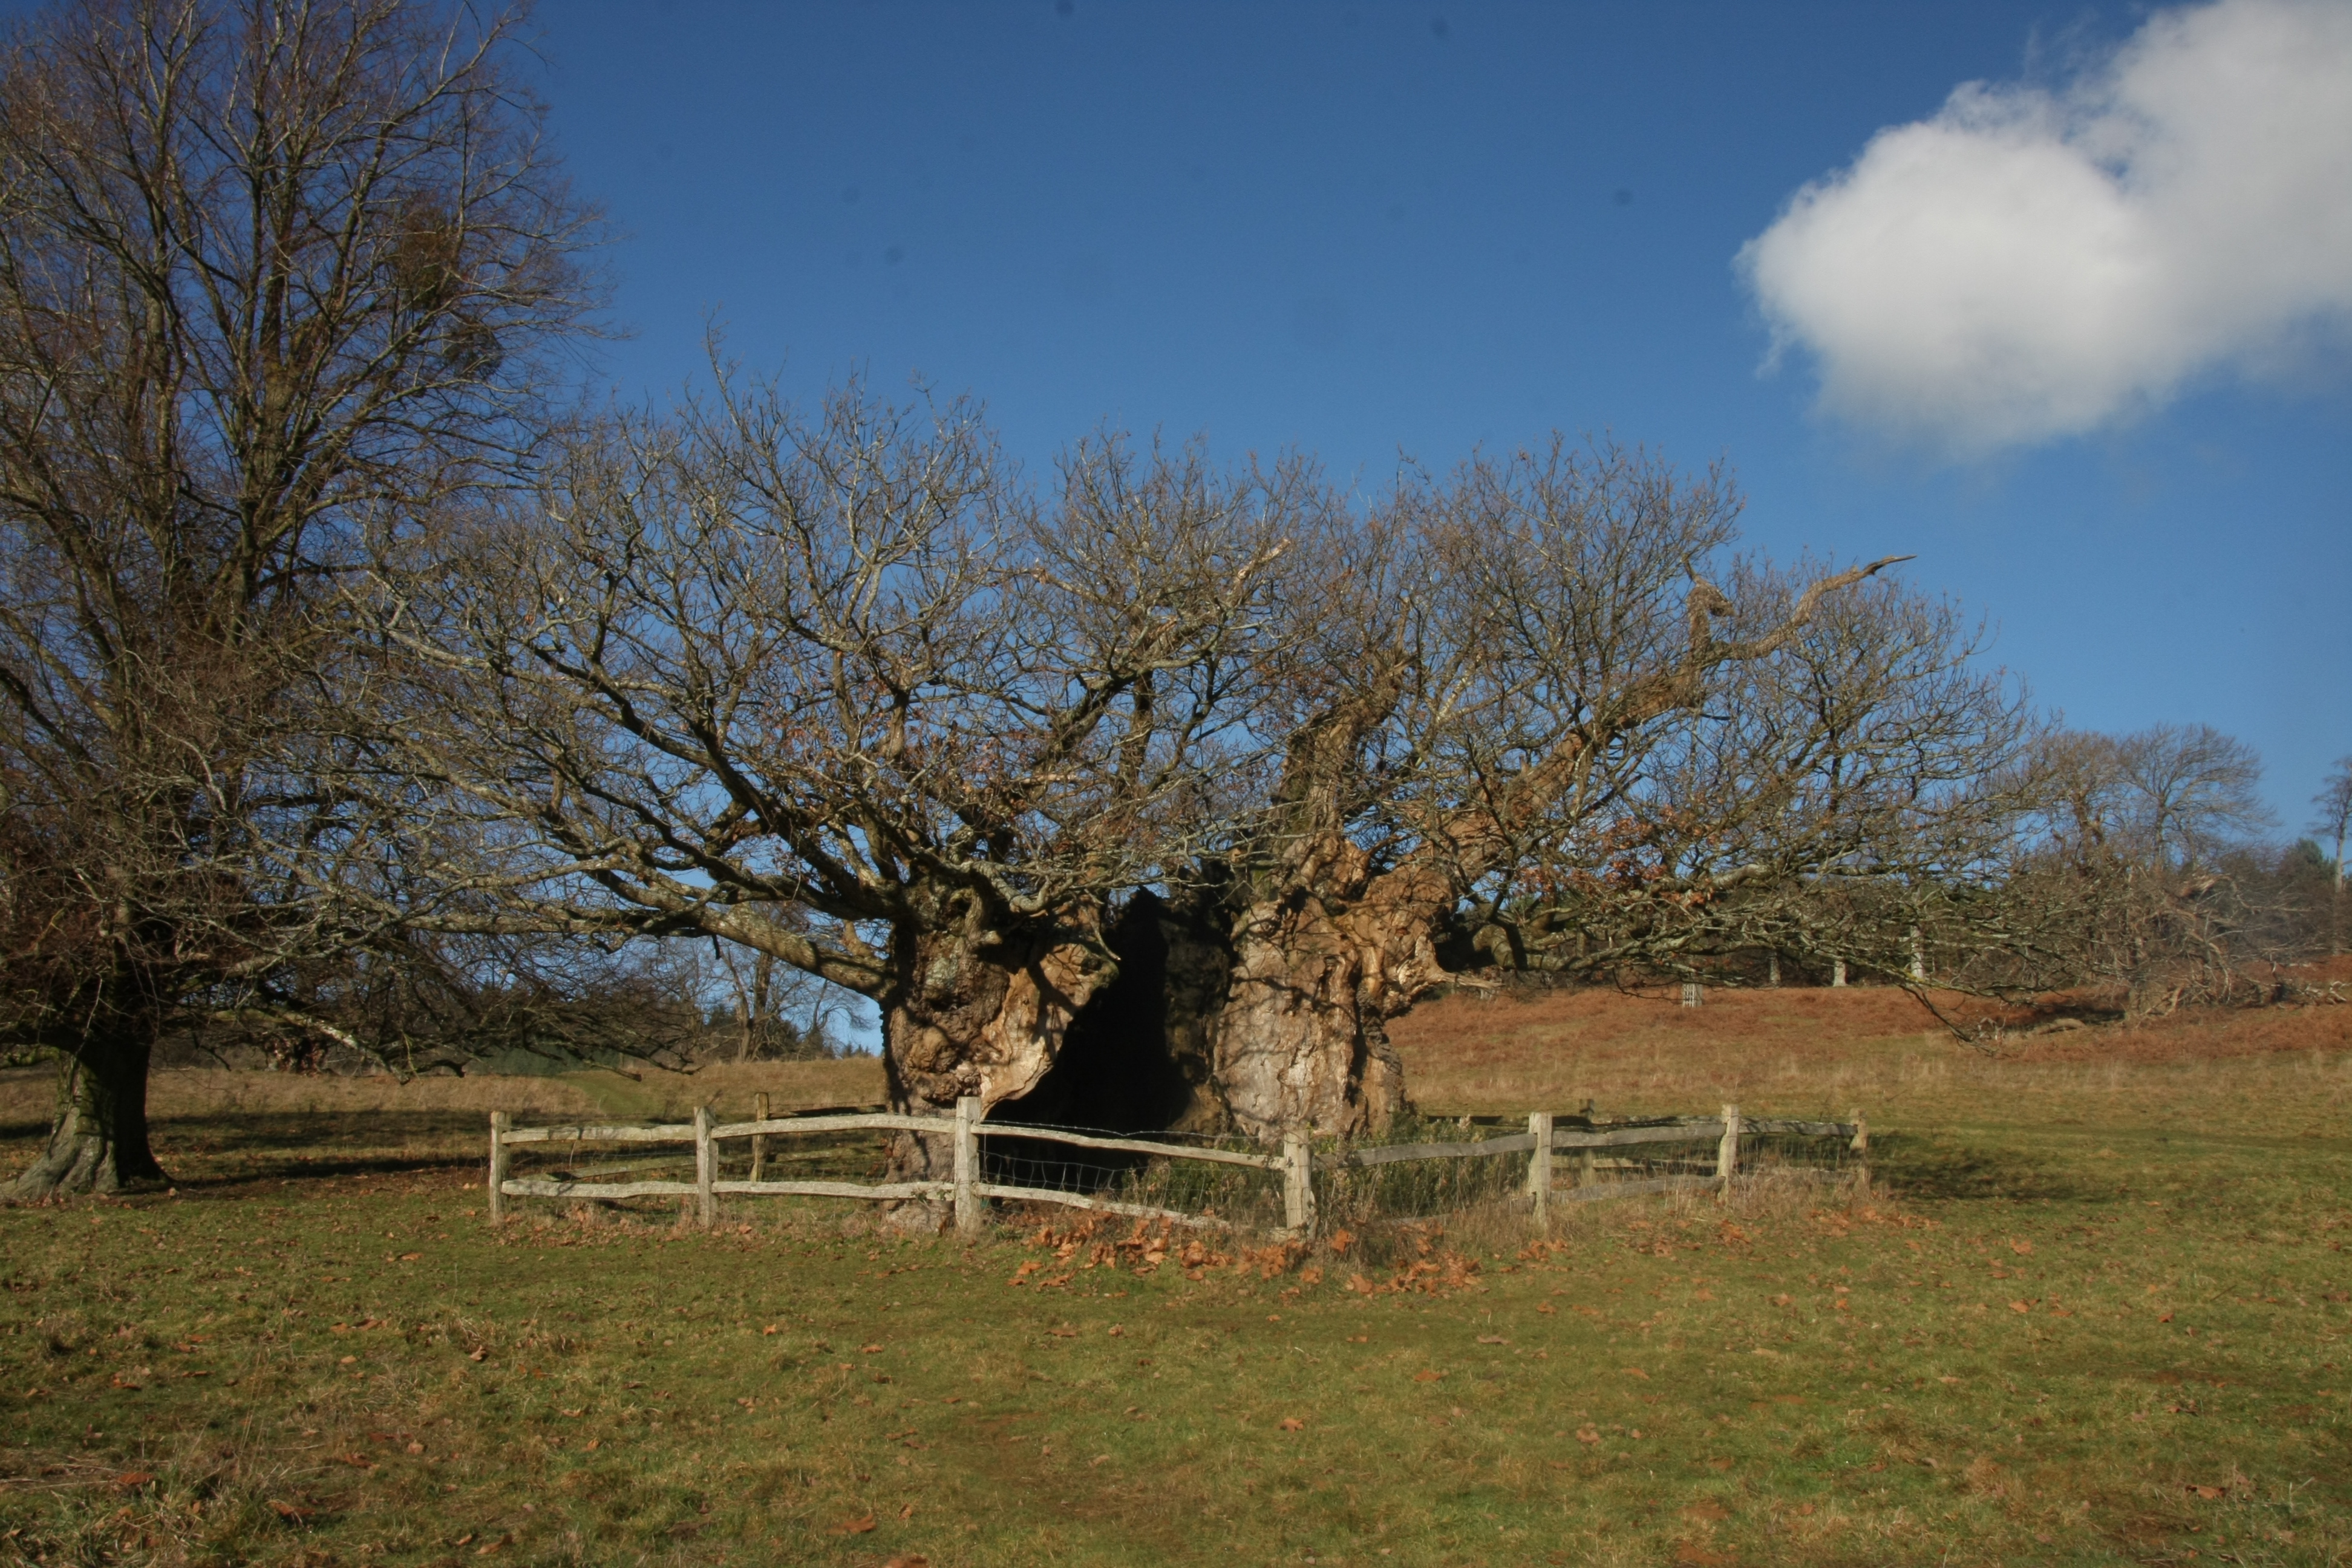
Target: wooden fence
[966,1186]
[1543,1139]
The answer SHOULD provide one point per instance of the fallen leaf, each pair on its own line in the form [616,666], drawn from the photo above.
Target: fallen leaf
[1637,1371]
[410,1257]
[1588,1435]
[2208,1493]
[575,1414]
[2021,1306]
[1493,1340]
[415,1448]
[289,1512]
[593,1444]
[909,1512]
[855,1526]
[1693,1555]
[917,1561]
[489,1546]
[769,1329]
[1707,1508]
[1719,1464]
[869,1349]
[132,1480]
[1293,1424]
[1428,1376]
[2021,1248]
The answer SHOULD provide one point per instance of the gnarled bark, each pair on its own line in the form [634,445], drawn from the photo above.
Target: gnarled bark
[978,1008]
[1319,969]
[98,1141]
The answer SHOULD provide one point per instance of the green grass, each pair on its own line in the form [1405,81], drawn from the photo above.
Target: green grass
[319,1352]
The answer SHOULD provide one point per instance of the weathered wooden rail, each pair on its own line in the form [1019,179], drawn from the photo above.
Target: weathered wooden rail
[1295,1164]
[966,1187]
[1544,1137]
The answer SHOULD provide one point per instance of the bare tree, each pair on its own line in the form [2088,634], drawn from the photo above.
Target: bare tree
[2140,872]
[2191,791]
[2333,805]
[836,688]
[1496,669]
[266,269]
[1845,797]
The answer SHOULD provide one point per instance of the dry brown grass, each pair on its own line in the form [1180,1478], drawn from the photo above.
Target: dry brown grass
[728,1088]
[1816,1051]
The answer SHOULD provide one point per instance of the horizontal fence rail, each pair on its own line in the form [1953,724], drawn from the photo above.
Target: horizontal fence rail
[1295,1164]
[967,1189]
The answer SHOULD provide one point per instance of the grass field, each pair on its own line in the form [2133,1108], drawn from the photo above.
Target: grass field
[2096,1312]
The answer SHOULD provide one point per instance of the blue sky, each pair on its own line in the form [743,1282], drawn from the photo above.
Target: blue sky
[1362,229]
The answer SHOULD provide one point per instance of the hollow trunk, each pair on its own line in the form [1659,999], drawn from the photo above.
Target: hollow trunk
[1320,965]
[1137,1058]
[97,1142]
[979,1008]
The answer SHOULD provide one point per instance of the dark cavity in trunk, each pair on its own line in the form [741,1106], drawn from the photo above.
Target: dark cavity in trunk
[1136,1061]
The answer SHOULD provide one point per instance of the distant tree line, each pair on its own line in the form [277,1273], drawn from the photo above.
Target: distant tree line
[361,693]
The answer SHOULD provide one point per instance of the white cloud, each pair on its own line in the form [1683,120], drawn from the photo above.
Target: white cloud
[2031,263]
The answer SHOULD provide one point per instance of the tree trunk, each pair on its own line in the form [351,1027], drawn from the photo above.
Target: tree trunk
[1320,967]
[98,1142]
[981,1010]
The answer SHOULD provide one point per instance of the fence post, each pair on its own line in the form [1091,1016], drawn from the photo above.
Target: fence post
[967,1164]
[706,1168]
[759,1140]
[498,1124]
[1297,1184]
[1727,1154]
[1539,1164]
[1860,1147]
[1692,994]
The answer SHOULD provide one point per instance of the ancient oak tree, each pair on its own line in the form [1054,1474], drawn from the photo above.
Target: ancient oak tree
[835,687]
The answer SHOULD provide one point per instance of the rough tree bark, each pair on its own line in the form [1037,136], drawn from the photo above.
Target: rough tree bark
[97,1142]
[1319,966]
[973,1007]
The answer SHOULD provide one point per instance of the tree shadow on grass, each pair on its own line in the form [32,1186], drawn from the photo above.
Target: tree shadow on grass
[1939,1169]
[234,1148]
